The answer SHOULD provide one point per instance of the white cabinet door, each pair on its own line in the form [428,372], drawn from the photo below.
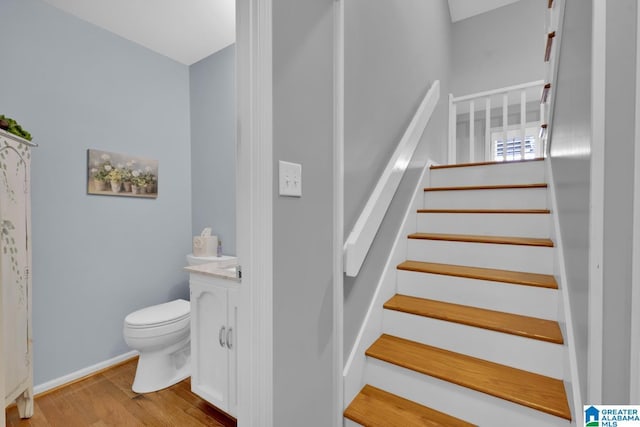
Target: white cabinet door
[209,353]
[232,320]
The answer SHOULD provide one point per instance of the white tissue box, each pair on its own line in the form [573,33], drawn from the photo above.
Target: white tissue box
[205,245]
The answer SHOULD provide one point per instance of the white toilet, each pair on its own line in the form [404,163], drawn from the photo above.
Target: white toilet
[162,335]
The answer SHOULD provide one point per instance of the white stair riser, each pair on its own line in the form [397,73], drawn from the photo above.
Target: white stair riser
[518,299]
[531,259]
[520,225]
[349,423]
[532,355]
[526,173]
[511,198]
[472,406]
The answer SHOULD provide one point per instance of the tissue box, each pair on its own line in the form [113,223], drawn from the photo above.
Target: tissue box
[205,245]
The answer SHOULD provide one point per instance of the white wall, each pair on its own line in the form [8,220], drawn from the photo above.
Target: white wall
[302,227]
[618,201]
[394,51]
[502,47]
[570,142]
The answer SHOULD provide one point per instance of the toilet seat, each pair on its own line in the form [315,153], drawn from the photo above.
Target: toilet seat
[159,315]
[158,320]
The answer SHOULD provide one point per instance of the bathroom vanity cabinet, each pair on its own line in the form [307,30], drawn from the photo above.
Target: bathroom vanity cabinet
[16,373]
[214,315]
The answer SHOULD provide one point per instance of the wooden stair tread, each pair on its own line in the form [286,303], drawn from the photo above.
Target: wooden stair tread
[486,211]
[525,388]
[465,165]
[514,324]
[469,238]
[373,407]
[491,274]
[488,187]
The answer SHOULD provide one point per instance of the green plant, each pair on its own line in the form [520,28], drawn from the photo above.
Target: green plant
[11,126]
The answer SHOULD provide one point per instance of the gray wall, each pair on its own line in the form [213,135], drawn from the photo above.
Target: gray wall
[302,227]
[570,141]
[618,199]
[96,258]
[213,136]
[499,48]
[383,87]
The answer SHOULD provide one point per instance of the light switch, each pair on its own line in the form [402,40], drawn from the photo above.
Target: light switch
[290,179]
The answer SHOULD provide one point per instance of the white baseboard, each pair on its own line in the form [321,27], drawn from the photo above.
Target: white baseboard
[81,373]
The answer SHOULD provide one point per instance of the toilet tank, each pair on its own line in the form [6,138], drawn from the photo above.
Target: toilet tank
[197,260]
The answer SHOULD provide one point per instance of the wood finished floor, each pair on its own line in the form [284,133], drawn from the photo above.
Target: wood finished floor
[106,399]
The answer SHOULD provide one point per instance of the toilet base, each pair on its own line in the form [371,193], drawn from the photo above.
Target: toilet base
[157,370]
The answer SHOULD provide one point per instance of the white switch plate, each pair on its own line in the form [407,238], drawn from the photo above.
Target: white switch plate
[290,179]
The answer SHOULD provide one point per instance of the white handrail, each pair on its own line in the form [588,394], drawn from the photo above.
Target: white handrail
[364,231]
[505,89]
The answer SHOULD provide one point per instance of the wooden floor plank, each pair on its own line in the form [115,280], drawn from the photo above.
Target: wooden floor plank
[373,407]
[494,275]
[514,324]
[487,187]
[525,388]
[466,165]
[106,399]
[470,238]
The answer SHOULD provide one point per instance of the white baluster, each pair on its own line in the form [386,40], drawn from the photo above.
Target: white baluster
[452,130]
[487,130]
[523,122]
[505,120]
[472,131]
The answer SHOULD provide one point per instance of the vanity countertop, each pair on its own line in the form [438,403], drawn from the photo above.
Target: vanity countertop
[216,269]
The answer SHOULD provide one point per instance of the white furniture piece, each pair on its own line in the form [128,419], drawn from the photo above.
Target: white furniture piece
[16,373]
[161,333]
[214,316]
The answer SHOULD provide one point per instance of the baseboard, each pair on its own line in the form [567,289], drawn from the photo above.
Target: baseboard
[79,375]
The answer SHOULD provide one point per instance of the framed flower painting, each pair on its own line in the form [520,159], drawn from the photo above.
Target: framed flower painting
[114,174]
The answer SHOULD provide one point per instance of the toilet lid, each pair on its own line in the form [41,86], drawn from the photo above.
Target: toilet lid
[168,312]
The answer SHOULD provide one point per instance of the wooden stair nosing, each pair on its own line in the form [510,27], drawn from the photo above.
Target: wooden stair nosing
[470,238]
[489,187]
[514,385]
[486,211]
[374,407]
[479,273]
[465,165]
[513,324]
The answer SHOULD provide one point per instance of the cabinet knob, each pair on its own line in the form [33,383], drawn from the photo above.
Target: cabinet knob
[230,338]
[221,336]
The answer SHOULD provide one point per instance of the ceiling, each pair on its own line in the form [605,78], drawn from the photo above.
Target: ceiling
[188,31]
[462,9]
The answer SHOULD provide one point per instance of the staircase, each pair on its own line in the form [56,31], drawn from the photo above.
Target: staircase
[472,335]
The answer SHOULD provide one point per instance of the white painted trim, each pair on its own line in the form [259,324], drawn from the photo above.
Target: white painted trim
[596,215]
[364,231]
[81,373]
[338,210]
[634,369]
[372,324]
[502,90]
[254,211]
[565,310]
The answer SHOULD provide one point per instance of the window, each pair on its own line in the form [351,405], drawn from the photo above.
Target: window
[512,148]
